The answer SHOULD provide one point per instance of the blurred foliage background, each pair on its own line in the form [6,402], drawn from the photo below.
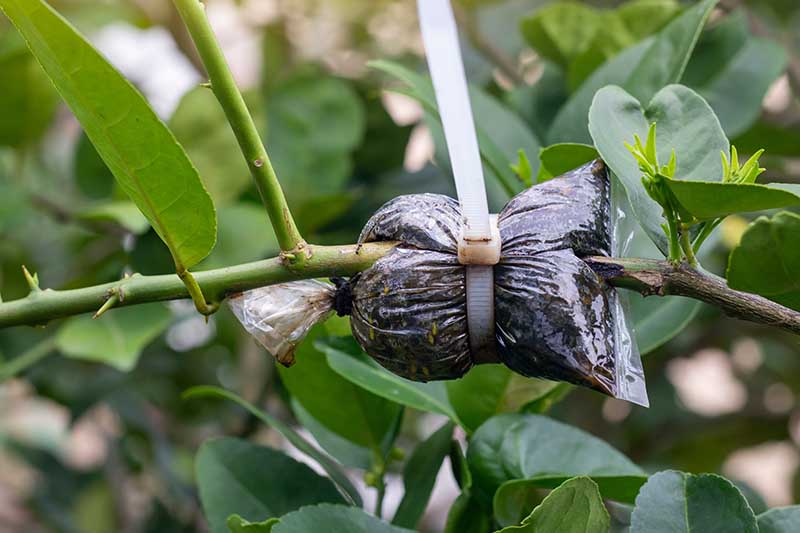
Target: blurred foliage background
[87,446]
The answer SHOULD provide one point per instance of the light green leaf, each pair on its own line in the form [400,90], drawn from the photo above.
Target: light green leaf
[333,470]
[642,69]
[116,338]
[677,502]
[767,260]
[559,32]
[237,524]
[346,358]
[333,518]
[780,520]
[237,477]
[657,320]
[340,405]
[200,126]
[123,213]
[419,476]
[706,200]
[29,101]
[488,390]
[574,507]
[143,155]
[685,123]
[557,159]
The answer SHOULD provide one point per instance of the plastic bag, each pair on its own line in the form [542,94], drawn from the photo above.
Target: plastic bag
[554,317]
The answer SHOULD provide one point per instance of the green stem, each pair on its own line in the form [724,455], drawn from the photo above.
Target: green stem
[224,86]
[381,494]
[686,244]
[26,360]
[40,307]
[708,229]
[203,306]
[674,244]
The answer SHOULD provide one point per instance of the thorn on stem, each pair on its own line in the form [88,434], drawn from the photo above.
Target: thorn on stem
[206,85]
[110,302]
[258,163]
[32,279]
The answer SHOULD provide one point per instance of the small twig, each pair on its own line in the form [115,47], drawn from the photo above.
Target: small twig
[487,49]
[26,360]
[652,277]
[230,98]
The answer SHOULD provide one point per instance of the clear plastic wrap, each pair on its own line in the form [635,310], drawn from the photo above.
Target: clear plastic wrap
[555,318]
[280,316]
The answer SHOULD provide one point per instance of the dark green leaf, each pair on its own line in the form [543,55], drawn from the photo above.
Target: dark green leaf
[117,338]
[726,55]
[333,518]
[709,200]
[331,468]
[342,406]
[539,103]
[90,173]
[677,502]
[346,358]
[200,126]
[122,213]
[767,259]
[141,152]
[574,507]
[488,390]
[501,133]
[467,516]
[237,477]
[29,101]
[245,234]
[419,476]
[685,123]
[237,524]
[780,520]
[557,159]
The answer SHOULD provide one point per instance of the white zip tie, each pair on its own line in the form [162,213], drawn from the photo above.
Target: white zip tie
[479,243]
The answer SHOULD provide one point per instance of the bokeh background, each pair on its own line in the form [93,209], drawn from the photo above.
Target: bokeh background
[87,447]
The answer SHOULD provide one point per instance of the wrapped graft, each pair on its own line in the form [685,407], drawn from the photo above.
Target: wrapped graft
[554,317]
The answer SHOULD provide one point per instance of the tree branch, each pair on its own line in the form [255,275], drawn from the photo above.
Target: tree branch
[652,277]
[40,307]
[224,86]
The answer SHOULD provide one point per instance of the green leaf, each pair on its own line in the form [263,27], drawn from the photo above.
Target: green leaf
[666,59]
[501,133]
[333,470]
[116,338]
[200,125]
[123,213]
[525,446]
[419,476]
[90,173]
[657,320]
[726,55]
[345,357]
[314,123]
[141,152]
[238,224]
[467,514]
[333,518]
[642,69]
[237,524]
[255,482]
[707,200]
[685,123]
[574,507]
[780,520]
[29,101]
[677,502]
[340,405]
[767,259]
[559,32]
[341,449]
[557,159]
[488,390]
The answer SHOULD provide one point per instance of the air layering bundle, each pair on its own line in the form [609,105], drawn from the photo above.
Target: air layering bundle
[554,317]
